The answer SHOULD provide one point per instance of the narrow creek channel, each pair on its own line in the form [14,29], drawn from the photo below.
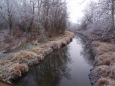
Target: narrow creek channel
[68,66]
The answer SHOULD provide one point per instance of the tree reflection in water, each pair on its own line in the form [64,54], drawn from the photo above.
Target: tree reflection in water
[86,52]
[49,72]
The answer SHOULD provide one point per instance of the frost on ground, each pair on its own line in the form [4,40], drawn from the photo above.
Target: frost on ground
[19,62]
[103,74]
[102,47]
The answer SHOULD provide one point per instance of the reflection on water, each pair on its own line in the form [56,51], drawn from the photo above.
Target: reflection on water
[68,66]
[86,52]
[49,72]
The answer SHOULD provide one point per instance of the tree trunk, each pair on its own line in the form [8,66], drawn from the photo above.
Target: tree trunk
[112,14]
[110,31]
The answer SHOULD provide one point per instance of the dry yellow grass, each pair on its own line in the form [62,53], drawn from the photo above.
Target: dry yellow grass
[107,58]
[23,56]
[17,69]
[96,43]
[69,34]
[103,82]
[56,44]
[101,48]
[38,50]
[64,41]
[48,45]
[43,51]
[67,39]
[47,51]
[102,70]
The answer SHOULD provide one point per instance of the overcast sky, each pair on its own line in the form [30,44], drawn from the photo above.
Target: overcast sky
[75,8]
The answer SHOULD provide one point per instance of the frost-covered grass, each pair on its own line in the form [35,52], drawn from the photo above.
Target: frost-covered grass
[103,73]
[38,50]
[23,57]
[107,58]
[17,69]
[105,53]
[103,82]
[31,54]
[101,47]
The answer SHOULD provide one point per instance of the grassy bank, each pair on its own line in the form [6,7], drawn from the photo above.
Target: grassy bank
[103,73]
[20,61]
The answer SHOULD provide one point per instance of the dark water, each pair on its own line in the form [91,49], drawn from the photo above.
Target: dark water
[68,66]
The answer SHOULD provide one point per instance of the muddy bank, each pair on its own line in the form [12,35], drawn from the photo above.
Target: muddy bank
[103,73]
[20,61]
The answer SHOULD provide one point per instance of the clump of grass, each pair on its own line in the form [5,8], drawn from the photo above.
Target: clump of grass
[56,44]
[105,59]
[17,69]
[67,39]
[103,82]
[47,51]
[23,56]
[102,70]
[64,41]
[101,48]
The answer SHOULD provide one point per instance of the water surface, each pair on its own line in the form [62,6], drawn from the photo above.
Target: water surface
[68,66]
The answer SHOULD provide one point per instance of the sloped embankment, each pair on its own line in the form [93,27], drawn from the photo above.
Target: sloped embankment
[103,73]
[21,61]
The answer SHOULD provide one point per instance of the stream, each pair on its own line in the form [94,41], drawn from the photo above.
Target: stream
[68,66]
